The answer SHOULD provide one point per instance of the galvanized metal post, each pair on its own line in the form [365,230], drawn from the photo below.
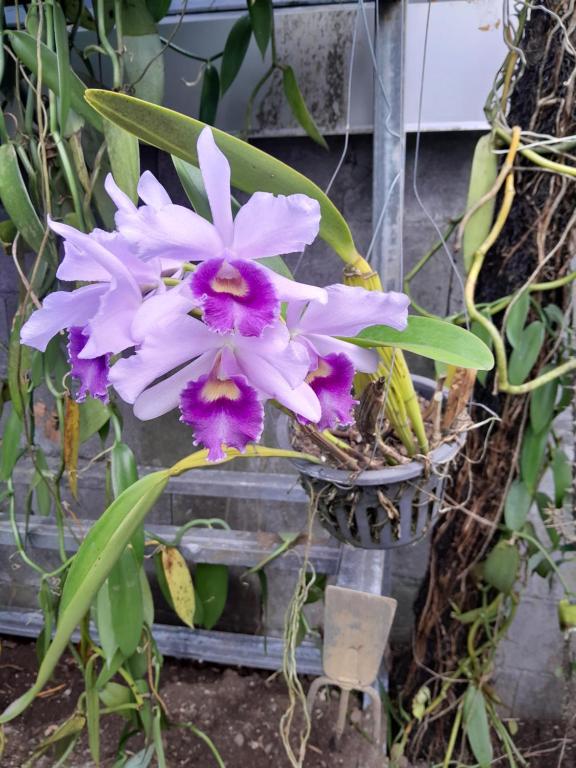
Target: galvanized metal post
[389,142]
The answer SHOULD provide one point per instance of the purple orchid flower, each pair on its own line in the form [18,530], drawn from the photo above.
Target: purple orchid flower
[91,373]
[234,291]
[99,316]
[224,381]
[221,381]
[333,361]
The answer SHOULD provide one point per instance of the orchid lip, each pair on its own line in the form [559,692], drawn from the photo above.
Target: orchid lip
[215,389]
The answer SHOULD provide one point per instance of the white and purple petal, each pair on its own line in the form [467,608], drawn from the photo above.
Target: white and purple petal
[165,396]
[61,309]
[174,344]
[173,234]
[365,360]
[350,309]
[222,413]
[118,197]
[269,225]
[216,176]
[235,295]
[271,382]
[91,374]
[151,192]
[83,258]
[160,308]
[292,291]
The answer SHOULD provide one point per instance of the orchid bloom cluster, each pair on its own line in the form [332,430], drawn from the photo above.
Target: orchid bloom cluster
[176,311]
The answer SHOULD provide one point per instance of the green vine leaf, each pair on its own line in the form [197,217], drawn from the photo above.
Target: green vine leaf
[526,352]
[235,49]
[262,19]
[299,108]
[477,727]
[210,95]
[482,177]
[517,318]
[517,506]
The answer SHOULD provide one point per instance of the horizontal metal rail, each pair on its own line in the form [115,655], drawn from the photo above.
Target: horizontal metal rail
[199,545]
[216,483]
[228,648]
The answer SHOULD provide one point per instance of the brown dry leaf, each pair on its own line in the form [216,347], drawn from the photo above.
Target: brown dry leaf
[72,443]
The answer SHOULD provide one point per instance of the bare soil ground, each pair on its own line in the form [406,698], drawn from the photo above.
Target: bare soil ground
[239,710]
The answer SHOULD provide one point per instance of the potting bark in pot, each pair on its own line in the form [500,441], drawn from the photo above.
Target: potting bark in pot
[367,491]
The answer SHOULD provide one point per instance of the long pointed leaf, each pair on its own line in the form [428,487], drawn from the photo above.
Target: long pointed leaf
[124,154]
[16,200]
[299,108]
[65,72]
[93,562]
[235,49]
[252,169]
[24,46]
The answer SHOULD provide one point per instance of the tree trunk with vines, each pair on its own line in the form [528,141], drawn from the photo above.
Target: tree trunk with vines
[539,233]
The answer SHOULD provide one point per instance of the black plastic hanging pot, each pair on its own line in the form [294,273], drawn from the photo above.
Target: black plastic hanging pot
[384,508]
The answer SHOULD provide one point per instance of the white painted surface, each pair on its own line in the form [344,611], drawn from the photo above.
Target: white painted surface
[465,50]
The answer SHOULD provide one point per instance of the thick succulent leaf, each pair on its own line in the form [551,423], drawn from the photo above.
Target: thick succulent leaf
[252,169]
[432,338]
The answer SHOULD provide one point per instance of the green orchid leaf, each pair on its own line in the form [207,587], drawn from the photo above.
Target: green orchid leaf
[192,183]
[124,154]
[24,46]
[562,473]
[16,200]
[158,8]
[123,467]
[143,51]
[542,404]
[65,72]
[10,447]
[125,592]
[517,318]
[93,415]
[144,67]
[252,169]
[432,338]
[104,623]
[532,457]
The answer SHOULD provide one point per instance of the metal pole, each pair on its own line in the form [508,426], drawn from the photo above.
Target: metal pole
[389,142]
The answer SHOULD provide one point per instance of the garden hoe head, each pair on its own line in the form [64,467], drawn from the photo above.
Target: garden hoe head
[356,630]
